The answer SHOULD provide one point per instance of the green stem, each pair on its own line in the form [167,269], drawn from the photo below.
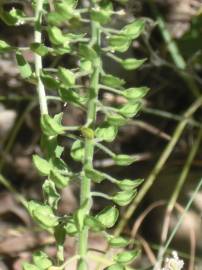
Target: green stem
[158,167]
[100,194]
[105,149]
[38,58]
[114,57]
[85,193]
[111,89]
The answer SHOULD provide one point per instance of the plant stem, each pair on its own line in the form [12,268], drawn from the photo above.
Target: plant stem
[158,167]
[85,193]
[38,58]
[100,194]
[111,89]
[105,149]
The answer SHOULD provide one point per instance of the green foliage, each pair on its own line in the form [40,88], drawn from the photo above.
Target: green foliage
[67,28]
[127,256]
[5,47]
[118,242]
[108,216]
[123,198]
[24,66]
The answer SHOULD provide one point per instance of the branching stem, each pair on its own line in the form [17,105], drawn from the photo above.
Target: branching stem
[85,193]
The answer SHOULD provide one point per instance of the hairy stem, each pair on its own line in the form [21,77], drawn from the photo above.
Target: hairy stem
[85,193]
[38,58]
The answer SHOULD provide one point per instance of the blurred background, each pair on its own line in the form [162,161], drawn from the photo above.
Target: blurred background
[166,137]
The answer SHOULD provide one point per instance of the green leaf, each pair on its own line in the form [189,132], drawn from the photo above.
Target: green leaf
[56,36]
[49,81]
[59,164]
[54,18]
[69,95]
[116,120]
[87,52]
[59,180]
[94,175]
[59,233]
[29,266]
[127,256]
[77,151]
[127,184]
[59,150]
[132,63]
[51,195]
[80,215]
[42,165]
[24,67]
[50,126]
[48,145]
[13,17]
[87,133]
[108,216]
[41,260]
[39,48]
[106,132]
[119,43]
[123,198]
[58,50]
[66,76]
[70,227]
[112,81]
[134,29]
[118,242]
[66,9]
[135,92]
[86,66]
[102,13]
[124,160]
[5,47]
[43,214]
[130,109]
[115,267]
[94,224]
